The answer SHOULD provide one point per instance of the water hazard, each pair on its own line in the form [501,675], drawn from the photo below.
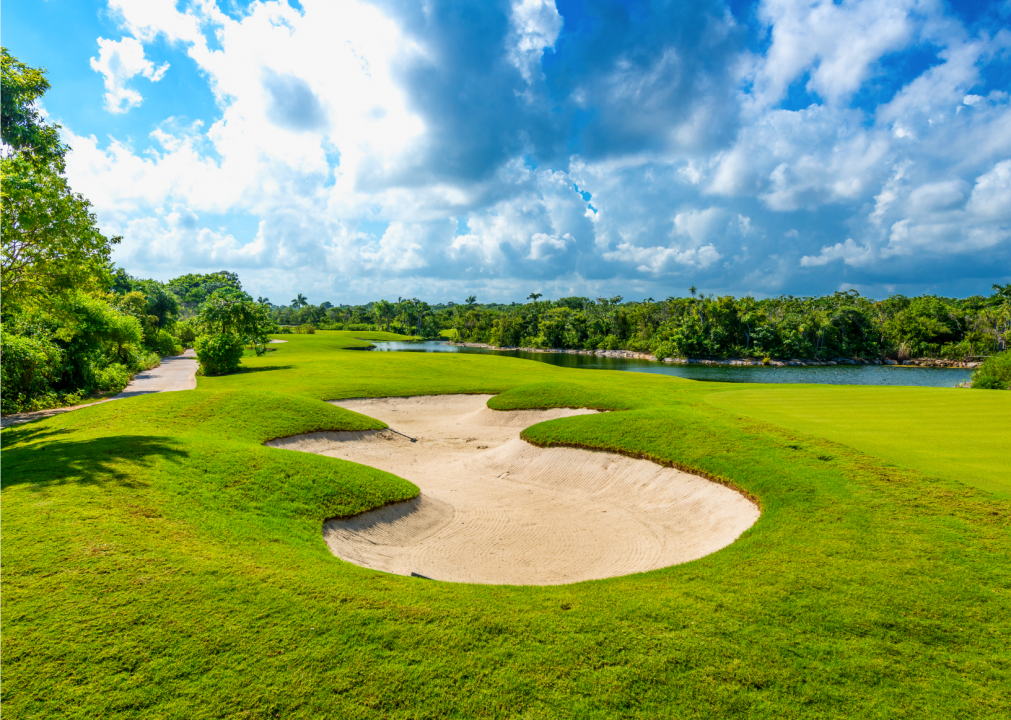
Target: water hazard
[824,374]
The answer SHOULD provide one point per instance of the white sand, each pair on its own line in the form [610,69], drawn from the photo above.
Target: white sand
[495,509]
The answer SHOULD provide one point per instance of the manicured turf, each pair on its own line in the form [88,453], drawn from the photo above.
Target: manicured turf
[158,561]
[955,433]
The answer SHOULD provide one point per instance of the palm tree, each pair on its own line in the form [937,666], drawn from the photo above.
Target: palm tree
[471,299]
[383,310]
[262,300]
[693,290]
[534,296]
[423,310]
[300,301]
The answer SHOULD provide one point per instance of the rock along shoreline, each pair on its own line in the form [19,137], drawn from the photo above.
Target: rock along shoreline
[631,355]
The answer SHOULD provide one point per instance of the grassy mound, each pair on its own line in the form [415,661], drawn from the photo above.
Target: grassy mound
[158,561]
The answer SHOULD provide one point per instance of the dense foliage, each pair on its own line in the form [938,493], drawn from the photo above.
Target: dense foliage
[995,373]
[193,290]
[841,325]
[220,353]
[63,334]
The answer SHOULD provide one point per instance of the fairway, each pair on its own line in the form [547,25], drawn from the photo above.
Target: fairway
[161,561]
[950,432]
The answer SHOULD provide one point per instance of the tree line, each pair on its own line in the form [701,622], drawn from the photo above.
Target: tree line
[840,325]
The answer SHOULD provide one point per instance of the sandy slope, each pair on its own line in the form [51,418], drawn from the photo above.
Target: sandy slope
[495,509]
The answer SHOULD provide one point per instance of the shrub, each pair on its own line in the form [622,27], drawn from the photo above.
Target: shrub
[995,373]
[164,344]
[28,365]
[305,329]
[112,378]
[186,333]
[219,354]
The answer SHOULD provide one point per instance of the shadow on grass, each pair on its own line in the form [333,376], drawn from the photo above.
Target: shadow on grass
[51,461]
[19,434]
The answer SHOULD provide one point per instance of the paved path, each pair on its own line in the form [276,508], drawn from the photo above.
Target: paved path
[176,372]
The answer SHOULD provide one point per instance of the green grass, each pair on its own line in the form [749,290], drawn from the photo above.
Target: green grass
[941,431]
[158,561]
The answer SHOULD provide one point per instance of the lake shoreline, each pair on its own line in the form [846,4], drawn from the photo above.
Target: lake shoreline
[745,362]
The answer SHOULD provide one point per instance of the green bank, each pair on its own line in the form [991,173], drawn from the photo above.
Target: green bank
[159,561]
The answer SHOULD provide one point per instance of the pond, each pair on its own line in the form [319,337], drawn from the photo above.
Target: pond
[823,374]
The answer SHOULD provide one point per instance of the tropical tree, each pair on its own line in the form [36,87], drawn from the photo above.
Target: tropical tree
[24,131]
[194,289]
[383,312]
[300,301]
[233,313]
[1001,301]
[50,240]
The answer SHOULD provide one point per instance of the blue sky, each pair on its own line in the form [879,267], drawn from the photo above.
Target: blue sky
[357,150]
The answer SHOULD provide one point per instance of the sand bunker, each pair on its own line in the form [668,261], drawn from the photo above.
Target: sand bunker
[495,509]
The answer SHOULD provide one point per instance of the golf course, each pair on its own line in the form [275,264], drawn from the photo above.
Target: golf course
[162,558]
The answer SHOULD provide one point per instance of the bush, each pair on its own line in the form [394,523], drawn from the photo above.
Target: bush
[219,354]
[995,373]
[305,329]
[186,333]
[164,344]
[28,366]
[111,378]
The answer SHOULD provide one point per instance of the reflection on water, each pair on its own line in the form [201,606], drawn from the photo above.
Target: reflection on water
[830,374]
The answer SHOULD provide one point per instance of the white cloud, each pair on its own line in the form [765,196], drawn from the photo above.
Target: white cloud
[545,247]
[837,44]
[342,113]
[699,225]
[849,252]
[991,196]
[119,61]
[664,260]
[535,27]
[400,249]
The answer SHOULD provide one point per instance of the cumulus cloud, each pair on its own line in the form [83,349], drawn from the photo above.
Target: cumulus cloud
[849,252]
[991,196]
[119,61]
[610,150]
[535,27]
[835,45]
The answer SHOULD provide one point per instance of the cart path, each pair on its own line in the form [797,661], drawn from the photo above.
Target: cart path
[176,372]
